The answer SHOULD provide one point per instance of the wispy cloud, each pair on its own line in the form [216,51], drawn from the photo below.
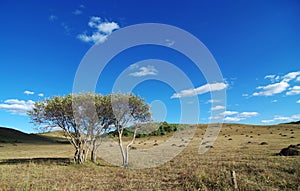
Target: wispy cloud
[144,71]
[218,107]
[200,90]
[290,76]
[16,106]
[240,116]
[41,95]
[233,119]
[234,116]
[282,119]
[271,89]
[213,101]
[248,114]
[298,101]
[273,78]
[227,113]
[77,12]
[66,28]
[102,29]
[282,84]
[293,91]
[52,18]
[27,92]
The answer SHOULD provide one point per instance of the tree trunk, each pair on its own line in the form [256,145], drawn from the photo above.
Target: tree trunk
[122,151]
[79,156]
[94,152]
[128,146]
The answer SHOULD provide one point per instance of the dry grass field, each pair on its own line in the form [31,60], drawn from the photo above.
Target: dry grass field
[46,166]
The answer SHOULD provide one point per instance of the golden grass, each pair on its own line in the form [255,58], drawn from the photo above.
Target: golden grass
[238,148]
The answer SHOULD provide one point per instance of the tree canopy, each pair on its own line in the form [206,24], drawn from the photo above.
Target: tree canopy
[86,117]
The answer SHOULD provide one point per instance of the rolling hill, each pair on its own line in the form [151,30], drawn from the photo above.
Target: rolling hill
[8,135]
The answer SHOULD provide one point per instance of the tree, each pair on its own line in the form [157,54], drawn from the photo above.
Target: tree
[83,119]
[128,109]
[58,112]
[93,114]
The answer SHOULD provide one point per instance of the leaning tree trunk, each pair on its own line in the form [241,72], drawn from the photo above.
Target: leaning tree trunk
[128,146]
[122,151]
[94,152]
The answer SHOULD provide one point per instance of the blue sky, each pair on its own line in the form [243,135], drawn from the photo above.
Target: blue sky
[255,43]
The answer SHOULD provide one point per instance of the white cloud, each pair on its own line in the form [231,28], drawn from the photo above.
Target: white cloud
[298,101]
[273,78]
[52,18]
[213,101]
[293,91]
[218,107]
[245,95]
[107,27]
[267,121]
[290,76]
[271,89]
[27,92]
[233,119]
[282,118]
[226,113]
[274,101]
[94,21]
[248,114]
[145,71]
[96,38]
[41,95]
[200,90]
[102,30]
[270,76]
[279,87]
[234,116]
[17,106]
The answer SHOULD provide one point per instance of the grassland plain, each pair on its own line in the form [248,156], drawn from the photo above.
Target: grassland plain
[46,166]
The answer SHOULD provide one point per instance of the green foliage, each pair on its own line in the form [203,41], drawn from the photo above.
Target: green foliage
[164,128]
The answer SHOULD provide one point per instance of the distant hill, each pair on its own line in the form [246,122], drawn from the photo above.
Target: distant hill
[8,135]
[294,122]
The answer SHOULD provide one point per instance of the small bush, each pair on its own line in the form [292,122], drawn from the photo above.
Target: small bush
[292,150]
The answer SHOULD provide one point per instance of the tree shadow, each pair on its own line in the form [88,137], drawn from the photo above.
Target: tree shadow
[57,161]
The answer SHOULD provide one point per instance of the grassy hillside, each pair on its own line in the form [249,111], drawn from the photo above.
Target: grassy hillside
[8,135]
[251,151]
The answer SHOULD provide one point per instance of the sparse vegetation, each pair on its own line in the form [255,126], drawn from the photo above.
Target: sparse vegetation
[46,167]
